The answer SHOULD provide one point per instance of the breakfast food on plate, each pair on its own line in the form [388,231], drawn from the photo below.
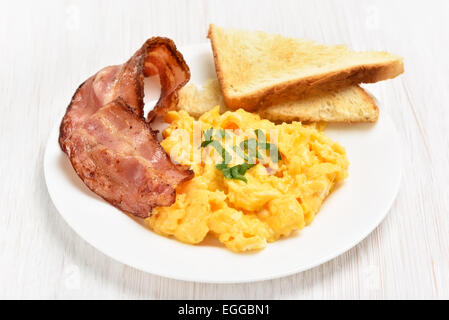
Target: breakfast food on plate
[111,146]
[349,104]
[273,181]
[226,166]
[258,70]
[264,200]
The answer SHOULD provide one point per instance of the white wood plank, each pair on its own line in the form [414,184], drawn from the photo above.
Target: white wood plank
[49,47]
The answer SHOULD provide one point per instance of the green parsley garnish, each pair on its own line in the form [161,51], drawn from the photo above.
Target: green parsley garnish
[263,144]
[237,172]
[208,140]
[248,150]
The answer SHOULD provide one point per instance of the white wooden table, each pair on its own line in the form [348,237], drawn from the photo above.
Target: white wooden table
[49,47]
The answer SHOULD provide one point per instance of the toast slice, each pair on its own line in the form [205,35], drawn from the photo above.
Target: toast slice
[198,101]
[349,104]
[257,70]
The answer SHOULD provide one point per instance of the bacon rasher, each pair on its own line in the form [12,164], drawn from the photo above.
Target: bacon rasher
[107,139]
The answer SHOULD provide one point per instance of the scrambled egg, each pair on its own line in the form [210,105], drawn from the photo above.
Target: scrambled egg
[277,198]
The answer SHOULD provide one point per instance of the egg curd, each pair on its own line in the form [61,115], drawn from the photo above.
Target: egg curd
[273,197]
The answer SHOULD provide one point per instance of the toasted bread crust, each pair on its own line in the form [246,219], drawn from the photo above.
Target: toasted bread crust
[365,103]
[350,105]
[295,89]
[292,90]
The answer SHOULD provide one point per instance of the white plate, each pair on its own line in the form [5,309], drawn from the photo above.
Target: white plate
[347,216]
